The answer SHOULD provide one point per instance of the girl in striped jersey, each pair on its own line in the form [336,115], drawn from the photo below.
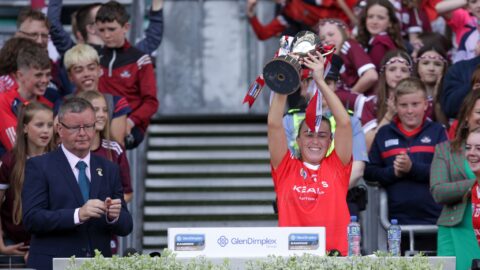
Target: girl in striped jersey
[102,145]
[358,73]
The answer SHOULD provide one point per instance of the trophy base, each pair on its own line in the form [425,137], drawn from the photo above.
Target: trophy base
[282,74]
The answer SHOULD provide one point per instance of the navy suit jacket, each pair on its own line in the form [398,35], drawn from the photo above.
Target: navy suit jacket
[50,196]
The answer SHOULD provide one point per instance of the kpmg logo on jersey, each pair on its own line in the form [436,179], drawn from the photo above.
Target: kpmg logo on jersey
[223,241]
[303,241]
[189,242]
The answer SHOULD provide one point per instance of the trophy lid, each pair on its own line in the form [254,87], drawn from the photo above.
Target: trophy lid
[305,42]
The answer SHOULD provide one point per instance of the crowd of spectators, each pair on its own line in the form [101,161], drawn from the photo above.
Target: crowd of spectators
[390,90]
[408,66]
[103,77]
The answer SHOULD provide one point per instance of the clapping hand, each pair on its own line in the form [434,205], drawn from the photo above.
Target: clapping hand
[402,164]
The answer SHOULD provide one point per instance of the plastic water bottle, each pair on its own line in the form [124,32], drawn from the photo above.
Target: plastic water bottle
[394,238]
[354,237]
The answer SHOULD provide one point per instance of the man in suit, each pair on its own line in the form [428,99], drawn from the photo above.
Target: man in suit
[72,200]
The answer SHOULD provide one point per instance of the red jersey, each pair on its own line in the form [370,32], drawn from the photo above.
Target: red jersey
[127,72]
[7,82]
[412,20]
[12,231]
[355,62]
[118,157]
[379,45]
[300,12]
[476,210]
[314,196]
[8,114]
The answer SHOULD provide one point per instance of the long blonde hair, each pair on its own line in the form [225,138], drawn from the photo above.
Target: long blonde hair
[105,133]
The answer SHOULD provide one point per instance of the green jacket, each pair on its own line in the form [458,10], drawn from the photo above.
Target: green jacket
[449,183]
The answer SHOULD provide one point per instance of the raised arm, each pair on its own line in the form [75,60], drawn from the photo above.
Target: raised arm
[445,7]
[263,32]
[60,38]
[154,31]
[343,132]
[277,141]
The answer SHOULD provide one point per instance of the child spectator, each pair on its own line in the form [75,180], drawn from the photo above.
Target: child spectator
[401,156]
[102,145]
[8,61]
[430,66]
[86,31]
[35,131]
[33,76]
[127,72]
[83,66]
[379,30]
[358,73]
[413,20]
[396,65]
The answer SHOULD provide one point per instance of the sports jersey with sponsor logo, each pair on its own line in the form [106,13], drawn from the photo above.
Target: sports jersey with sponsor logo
[309,195]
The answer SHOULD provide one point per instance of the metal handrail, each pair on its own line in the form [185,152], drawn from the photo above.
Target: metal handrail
[410,229]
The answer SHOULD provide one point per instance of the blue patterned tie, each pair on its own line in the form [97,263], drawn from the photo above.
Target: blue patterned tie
[83,181]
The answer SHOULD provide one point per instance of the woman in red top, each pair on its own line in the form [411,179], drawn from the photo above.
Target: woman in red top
[35,127]
[472,154]
[311,190]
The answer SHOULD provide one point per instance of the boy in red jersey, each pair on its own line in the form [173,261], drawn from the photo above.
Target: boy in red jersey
[33,76]
[127,72]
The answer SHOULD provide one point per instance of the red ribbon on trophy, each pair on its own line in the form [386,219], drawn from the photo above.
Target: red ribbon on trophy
[257,86]
[313,113]
[254,90]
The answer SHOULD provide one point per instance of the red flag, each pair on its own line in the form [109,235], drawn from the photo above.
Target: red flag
[254,90]
[313,113]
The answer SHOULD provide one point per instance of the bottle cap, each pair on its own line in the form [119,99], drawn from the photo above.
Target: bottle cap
[394,222]
[353,218]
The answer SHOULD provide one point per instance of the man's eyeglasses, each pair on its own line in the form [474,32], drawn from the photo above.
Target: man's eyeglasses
[35,36]
[86,128]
